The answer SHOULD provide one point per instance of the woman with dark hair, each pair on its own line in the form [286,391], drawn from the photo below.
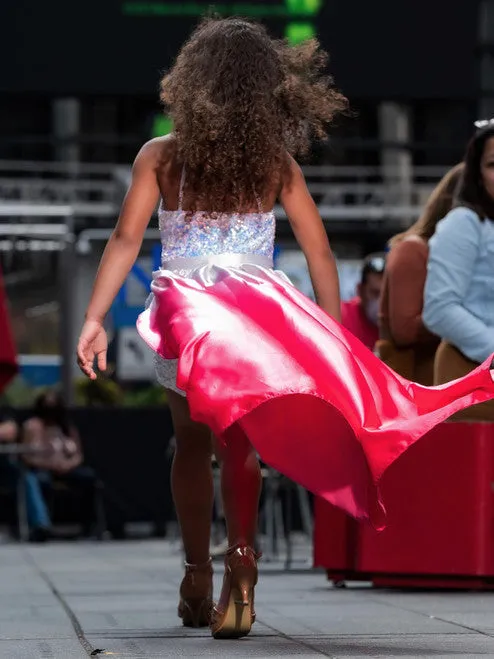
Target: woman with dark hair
[405,344]
[57,452]
[459,291]
[245,357]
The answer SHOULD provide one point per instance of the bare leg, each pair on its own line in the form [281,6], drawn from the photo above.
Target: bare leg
[241,484]
[192,480]
[234,614]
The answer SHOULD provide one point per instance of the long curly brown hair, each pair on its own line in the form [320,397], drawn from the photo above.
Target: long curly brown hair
[239,101]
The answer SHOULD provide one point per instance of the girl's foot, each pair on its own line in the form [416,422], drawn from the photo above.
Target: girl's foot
[234,615]
[196,595]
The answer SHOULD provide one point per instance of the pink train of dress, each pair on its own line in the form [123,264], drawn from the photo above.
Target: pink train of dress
[255,354]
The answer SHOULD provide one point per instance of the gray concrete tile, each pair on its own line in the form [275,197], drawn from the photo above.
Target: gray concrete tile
[104,603]
[482,621]
[351,619]
[28,621]
[201,646]
[125,596]
[406,645]
[152,619]
[434,603]
[31,630]
[42,649]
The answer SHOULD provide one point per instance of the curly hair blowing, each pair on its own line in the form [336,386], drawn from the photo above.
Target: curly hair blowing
[240,101]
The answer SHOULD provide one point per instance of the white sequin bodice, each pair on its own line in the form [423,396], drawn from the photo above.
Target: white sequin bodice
[201,234]
[186,234]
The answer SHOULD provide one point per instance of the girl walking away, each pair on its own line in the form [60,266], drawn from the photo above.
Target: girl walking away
[251,366]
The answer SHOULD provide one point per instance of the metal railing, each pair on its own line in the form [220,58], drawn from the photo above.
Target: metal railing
[96,191]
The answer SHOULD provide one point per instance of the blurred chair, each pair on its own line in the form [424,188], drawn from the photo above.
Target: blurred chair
[62,494]
[281,498]
[12,491]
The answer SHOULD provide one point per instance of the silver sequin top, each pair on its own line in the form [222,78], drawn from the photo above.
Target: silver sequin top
[185,234]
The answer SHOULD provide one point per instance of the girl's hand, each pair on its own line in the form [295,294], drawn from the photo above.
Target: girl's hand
[92,344]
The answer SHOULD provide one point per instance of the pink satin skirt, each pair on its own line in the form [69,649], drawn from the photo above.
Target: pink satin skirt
[316,404]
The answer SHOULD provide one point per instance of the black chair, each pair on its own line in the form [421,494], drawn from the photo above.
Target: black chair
[13,510]
[65,500]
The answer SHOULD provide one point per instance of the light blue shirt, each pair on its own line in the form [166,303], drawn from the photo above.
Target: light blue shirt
[459,290]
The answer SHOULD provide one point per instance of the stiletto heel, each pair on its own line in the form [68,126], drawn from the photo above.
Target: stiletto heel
[234,615]
[196,595]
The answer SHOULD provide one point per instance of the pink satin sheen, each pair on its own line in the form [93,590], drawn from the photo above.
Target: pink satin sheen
[315,403]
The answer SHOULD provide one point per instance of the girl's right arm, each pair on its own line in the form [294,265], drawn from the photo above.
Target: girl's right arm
[311,235]
[120,254]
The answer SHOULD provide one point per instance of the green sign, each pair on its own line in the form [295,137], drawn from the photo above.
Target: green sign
[287,9]
[299,14]
[296,33]
[162,125]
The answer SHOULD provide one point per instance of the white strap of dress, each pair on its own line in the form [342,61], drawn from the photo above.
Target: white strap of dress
[181,190]
[259,202]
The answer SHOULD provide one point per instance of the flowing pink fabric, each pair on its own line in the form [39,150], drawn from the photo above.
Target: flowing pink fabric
[316,404]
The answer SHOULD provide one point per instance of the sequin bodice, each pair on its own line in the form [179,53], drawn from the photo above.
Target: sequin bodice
[207,234]
[186,234]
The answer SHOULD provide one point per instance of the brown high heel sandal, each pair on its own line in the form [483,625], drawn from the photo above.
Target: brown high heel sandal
[196,595]
[234,614]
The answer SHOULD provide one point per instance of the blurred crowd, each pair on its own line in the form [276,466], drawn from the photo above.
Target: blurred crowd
[425,306]
[40,454]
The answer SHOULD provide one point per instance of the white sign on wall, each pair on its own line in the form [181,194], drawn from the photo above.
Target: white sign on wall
[135,361]
[292,262]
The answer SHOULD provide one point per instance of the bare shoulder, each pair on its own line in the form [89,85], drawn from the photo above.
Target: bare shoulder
[158,151]
[410,249]
[292,174]
[415,243]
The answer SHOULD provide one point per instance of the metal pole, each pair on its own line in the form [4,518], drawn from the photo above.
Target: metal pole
[66,273]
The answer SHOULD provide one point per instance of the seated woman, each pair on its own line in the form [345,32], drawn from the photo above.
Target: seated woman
[56,452]
[405,344]
[459,291]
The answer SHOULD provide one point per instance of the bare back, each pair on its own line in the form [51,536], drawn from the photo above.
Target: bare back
[169,172]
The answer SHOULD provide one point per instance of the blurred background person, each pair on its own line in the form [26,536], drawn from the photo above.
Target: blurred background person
[8,427]
[405,344]
[57,453]
[8,435]
[360,314]
[459,290]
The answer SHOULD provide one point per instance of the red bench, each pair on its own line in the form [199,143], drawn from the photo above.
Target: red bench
[440,503]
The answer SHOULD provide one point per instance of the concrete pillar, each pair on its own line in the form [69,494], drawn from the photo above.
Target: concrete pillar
[396,161]
[65,125]
[84,273]
[68,336]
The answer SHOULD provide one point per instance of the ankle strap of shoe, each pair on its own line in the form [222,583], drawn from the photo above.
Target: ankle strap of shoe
[244,548]
[193,567]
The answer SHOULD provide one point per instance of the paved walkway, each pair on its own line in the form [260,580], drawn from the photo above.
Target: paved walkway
[71,600]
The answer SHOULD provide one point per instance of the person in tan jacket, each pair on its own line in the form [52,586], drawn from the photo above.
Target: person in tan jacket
[56,452]
[405,344]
